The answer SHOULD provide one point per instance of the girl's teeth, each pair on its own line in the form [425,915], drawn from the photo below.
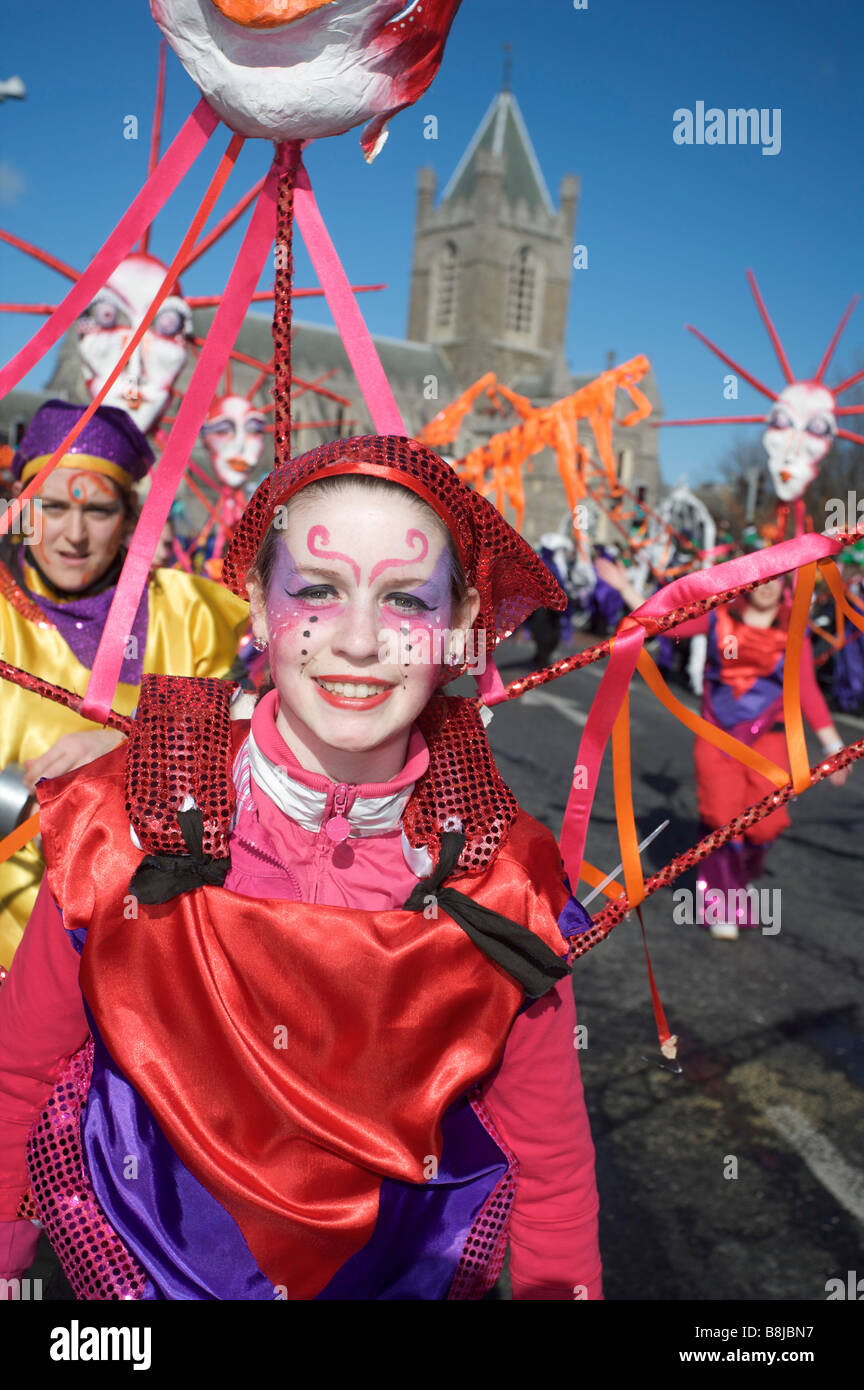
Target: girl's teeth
[359,692]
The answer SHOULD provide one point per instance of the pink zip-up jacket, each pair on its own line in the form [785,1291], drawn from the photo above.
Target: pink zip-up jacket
[290,841]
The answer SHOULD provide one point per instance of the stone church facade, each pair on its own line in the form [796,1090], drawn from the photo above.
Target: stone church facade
[490,286]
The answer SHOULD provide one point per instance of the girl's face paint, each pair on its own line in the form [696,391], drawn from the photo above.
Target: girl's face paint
[83,527]
[359,594]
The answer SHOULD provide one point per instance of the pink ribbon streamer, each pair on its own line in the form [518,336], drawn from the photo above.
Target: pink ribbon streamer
[361,350]
[631,634]
[176,161]
[592,745]
[169,471]
[346,311]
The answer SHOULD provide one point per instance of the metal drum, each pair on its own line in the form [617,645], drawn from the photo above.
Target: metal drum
[13,797]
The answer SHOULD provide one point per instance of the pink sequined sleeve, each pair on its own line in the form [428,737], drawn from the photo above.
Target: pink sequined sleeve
[537,1102]
[42,1022]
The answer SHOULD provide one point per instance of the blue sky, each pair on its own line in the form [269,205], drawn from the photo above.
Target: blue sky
[670,229]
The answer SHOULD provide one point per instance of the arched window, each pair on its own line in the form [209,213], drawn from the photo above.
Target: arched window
[446,283]
[522,291]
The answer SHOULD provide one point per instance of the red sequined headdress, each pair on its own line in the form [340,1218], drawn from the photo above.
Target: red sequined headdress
[510,579]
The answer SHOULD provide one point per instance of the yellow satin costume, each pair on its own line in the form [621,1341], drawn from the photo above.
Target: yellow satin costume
[193,629]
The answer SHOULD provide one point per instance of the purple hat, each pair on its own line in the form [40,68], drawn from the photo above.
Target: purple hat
[109,443]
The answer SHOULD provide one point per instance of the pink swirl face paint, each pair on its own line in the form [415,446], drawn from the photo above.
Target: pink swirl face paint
[318,536]
[351,618]
[416,540]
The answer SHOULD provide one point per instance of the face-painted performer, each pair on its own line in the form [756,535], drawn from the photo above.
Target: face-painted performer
[742,693]
[143,388]
[58,580]
[359,870]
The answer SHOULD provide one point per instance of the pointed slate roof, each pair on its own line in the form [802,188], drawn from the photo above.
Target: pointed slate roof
[503,131]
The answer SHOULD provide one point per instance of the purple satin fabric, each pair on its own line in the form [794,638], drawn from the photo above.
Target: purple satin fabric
[547,556]
[81,622]
[184,1240]
[191,1249]
[665,656]
[848,685]
[421,1230]
[749,714]
[574,919]
[606,603]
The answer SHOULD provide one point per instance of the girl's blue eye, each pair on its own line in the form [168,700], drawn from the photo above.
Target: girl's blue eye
[319,591]
[408,602]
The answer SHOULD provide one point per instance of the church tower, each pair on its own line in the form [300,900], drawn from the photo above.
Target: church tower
[492,263]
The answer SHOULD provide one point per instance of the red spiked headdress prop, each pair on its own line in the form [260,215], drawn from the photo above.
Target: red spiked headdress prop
[510,579]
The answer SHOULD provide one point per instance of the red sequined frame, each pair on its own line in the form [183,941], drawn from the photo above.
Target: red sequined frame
[14,595]
[462,788]
[482,1257]
[180,746]
[94,1258]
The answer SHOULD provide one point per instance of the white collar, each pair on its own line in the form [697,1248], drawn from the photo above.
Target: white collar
[367,815]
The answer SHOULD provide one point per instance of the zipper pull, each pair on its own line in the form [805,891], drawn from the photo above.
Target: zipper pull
[338,827]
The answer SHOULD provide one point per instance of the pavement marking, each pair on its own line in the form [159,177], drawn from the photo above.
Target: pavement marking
[557,702]
[845,1183]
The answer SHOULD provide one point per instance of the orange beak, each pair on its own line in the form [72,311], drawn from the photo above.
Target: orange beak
[267,14]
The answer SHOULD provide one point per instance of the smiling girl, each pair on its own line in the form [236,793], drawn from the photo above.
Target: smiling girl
[323,1012]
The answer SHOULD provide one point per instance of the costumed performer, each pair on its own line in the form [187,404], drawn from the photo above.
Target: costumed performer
[58,578]
[378,986]
[742,693]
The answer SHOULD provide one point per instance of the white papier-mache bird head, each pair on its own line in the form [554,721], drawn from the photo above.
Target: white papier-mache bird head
[302,69]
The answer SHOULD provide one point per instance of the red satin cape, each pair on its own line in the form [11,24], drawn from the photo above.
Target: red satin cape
[756,653]
[293,1055]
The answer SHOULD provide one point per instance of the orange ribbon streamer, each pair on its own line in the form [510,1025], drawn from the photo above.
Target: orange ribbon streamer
[832,578]
[594,877]
[799,763]
[19,837]
[624,804]
[710,732]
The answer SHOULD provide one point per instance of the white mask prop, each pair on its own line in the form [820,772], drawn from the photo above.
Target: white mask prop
[233,435]
[801,429]
[143,388]
[802,423]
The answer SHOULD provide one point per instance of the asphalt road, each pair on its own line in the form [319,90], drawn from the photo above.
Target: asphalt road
[742,1178]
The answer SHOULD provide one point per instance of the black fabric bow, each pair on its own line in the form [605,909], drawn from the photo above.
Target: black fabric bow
[528,960]
[161,877]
